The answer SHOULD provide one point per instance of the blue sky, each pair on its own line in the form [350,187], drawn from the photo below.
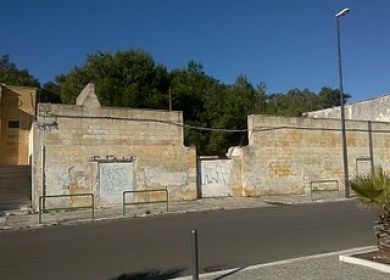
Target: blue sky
[283,43]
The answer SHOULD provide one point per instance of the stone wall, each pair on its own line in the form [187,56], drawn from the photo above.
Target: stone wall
[285,154]
[377,109]
[87,148]
[219,177]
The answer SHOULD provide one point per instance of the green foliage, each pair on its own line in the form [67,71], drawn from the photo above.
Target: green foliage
[329,97]
[125,78]
[50,93]
[373,189]
[296,101]
[131,78]
[228,107]
[208,103]
[10,74]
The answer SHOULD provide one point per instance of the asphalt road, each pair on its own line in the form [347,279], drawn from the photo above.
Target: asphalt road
[160,245]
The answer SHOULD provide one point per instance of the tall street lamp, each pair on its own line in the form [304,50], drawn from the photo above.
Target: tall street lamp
[343,132]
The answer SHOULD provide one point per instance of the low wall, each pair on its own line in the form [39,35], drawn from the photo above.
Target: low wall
[106,151]
[219,177]
[86,148]
[285,154]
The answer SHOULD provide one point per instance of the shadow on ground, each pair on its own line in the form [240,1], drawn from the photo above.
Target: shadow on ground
[150,275]
[229,273]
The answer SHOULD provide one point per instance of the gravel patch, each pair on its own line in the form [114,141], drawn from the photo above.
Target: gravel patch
[327,268]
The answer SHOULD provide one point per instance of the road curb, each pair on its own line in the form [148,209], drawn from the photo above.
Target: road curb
[281,262]
[294,203]
[348,258]
[267,203]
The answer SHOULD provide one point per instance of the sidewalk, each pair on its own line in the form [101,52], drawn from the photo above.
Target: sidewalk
[318,267]
[22,219]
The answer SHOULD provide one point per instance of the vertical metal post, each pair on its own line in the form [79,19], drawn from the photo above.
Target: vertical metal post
[123,204]
[370,146]
[343,131]
[170,98]
[167,197]
[195,255]
[311,191]
[198,174]
[93,206]
[40,210]
[43,162]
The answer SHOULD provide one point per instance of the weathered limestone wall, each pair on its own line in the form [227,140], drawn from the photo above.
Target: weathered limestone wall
[377,109]
[17,104]
[285,154]
[220,177]
[105,150]
[86,148]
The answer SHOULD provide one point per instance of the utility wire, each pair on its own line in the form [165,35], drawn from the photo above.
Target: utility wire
[187,126]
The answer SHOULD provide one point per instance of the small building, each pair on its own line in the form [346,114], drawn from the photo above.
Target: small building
[17,112]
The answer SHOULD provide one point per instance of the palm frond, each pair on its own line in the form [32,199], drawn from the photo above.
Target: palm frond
[372,189]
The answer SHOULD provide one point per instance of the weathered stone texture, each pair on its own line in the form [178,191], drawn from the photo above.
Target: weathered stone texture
[220,177]
[285,154]
[377,109]
[152,141]
[87,97]
[87,148]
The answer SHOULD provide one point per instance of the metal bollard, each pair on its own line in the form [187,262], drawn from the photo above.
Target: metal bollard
[195,255]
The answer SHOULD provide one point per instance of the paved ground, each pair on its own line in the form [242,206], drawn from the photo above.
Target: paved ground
[15,187]
[228,239]
[316,268]
[21,219]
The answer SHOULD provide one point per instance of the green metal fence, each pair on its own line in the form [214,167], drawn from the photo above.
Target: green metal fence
[43,209]
[324,182]
[125,203]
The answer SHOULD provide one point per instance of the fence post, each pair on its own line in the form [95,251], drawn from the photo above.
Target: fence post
[167,197]
[123,204]
[311,190]
[39,210]
[195,255]
[370,145]
[93,206]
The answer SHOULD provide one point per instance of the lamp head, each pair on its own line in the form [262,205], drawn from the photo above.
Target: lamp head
[343,12]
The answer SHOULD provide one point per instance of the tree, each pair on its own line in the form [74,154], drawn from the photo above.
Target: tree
[295,101]
[192,89]
[260,99]
[374,190]
[131,78]
[331,97]
[224,107]
[50,93]
[126,78]
[10,74]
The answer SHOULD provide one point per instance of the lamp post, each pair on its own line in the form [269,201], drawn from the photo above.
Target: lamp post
[343,132]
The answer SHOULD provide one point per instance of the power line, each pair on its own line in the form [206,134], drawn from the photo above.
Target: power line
[187,126]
